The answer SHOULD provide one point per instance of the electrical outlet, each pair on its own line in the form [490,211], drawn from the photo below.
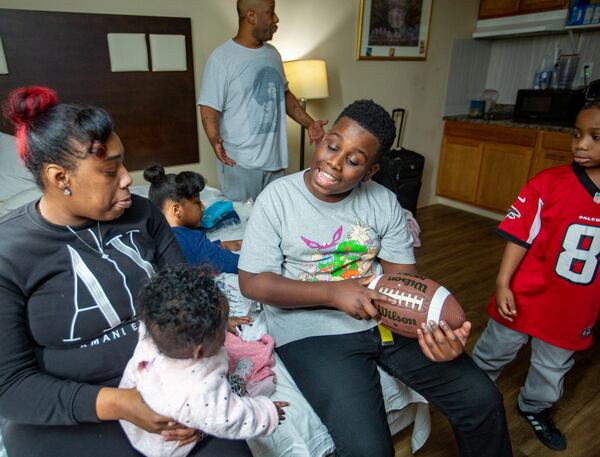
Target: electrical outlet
[587,71]
[584,69]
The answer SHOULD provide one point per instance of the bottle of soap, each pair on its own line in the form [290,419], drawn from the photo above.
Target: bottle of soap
[554,78]
[545,73]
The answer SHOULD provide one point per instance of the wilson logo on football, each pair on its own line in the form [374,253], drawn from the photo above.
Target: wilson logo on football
[393,315]
[410,282]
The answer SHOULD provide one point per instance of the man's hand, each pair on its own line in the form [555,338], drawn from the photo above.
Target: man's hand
[316,132]
[219,149]
[442,344]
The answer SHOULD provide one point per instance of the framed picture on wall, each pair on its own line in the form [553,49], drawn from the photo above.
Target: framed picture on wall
[393,29]
[398,117]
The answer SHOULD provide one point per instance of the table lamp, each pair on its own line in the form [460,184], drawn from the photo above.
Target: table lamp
[307,80]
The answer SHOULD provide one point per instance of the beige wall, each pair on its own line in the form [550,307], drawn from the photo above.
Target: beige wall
[320,29]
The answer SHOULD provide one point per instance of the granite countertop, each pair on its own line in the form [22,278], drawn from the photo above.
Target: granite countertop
[508,123]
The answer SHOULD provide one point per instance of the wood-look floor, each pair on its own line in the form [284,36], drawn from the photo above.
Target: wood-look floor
[461,251]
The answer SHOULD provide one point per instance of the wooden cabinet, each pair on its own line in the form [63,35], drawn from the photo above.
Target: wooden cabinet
[498,8]
[487,165]
[504,171]
[460,159]
[495,8]
[535,6]
[553,148]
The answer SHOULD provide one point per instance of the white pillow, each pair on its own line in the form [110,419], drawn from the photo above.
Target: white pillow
[22,198]
[14,177]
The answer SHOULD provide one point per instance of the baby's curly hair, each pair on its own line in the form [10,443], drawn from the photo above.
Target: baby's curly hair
[373,118]
[182,307]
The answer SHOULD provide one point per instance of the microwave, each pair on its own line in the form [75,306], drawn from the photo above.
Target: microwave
[548,106]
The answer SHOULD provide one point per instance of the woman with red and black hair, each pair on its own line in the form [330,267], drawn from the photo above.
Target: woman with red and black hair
[71,264]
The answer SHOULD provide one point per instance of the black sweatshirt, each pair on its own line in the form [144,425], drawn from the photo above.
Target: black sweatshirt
[67,315]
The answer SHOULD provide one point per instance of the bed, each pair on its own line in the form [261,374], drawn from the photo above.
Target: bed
[302,434]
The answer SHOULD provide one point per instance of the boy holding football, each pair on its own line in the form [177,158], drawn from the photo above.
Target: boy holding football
[547,287]
[313,242]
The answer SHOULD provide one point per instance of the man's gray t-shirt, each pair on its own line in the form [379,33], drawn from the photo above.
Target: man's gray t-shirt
[248,87]
[294,234]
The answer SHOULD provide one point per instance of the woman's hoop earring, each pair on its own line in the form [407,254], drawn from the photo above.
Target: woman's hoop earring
[67,191]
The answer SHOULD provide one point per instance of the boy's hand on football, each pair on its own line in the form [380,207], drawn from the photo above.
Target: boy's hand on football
[353,297]
[235,323]
[505,303]
[440,343]
[280,411]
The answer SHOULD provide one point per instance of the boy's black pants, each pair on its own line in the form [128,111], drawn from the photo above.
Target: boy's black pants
[338,376]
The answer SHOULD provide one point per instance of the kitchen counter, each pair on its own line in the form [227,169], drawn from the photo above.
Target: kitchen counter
[508,123]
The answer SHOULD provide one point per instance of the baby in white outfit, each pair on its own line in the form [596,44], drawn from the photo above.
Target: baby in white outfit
[180,365]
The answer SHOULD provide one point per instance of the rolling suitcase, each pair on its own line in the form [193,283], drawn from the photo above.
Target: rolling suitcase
[401,171]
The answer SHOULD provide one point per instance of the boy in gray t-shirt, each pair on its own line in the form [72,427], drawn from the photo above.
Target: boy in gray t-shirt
[312,244]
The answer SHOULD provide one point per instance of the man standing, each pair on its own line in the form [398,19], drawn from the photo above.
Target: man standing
[243,102]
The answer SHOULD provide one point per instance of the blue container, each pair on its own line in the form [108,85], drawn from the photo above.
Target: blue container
[476,108]
[215,213]
[583,12]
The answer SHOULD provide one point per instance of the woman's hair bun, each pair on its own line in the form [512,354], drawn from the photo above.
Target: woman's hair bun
[26,103]
[154,173]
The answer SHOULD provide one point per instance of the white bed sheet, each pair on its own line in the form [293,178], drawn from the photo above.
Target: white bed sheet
[303,434]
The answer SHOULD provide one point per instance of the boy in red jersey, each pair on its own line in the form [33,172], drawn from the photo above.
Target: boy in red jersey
[547,286]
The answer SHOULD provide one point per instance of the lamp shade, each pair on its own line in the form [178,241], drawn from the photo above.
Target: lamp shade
[307,78]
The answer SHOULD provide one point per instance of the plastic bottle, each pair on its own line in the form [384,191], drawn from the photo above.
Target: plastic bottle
[545,73]
[537,78]
[554,79]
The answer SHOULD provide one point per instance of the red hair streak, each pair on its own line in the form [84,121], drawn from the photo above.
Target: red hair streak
[23,105]
[21,134]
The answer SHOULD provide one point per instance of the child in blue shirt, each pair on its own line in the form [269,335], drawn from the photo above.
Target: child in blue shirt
[178,197]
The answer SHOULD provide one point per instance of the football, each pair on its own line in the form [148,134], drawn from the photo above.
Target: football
[419,299]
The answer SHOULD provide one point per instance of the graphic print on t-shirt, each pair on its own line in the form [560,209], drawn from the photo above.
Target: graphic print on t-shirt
[267,92]
[89,296]
[338,259]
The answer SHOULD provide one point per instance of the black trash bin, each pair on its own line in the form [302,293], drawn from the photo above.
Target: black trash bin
[401,171]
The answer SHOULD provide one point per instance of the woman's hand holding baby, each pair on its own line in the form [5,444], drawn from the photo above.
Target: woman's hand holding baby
[127,404]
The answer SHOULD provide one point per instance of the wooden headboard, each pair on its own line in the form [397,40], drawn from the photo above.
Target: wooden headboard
[154,112]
